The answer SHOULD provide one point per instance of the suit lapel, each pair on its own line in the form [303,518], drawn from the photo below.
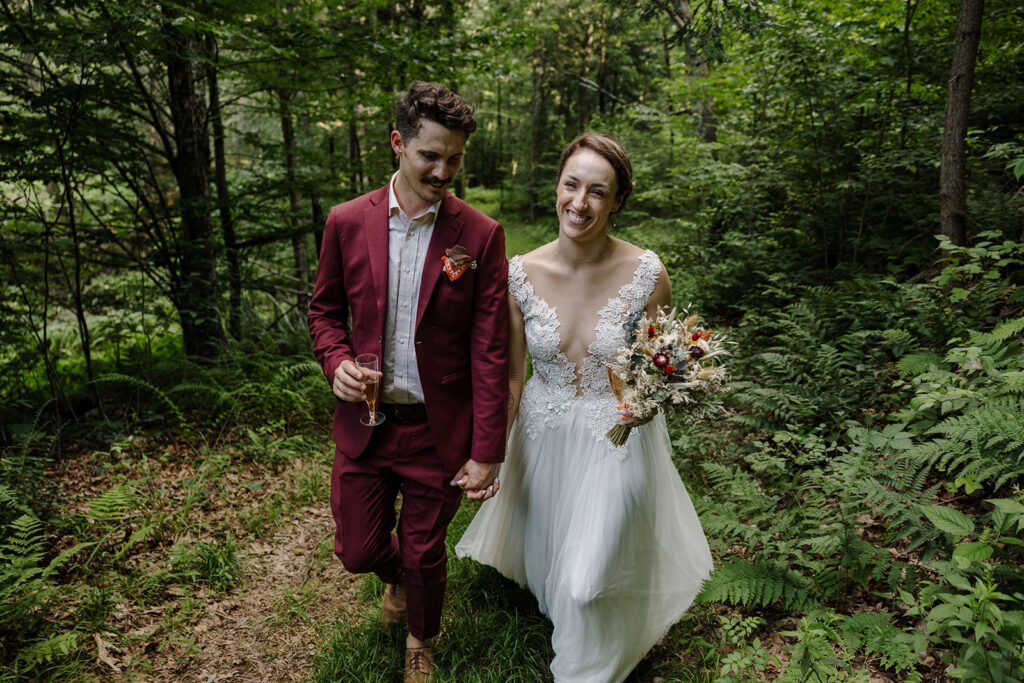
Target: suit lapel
[447,229]
[375,228]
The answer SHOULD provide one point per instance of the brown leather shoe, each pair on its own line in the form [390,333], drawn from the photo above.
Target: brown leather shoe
[419,662]
[393,606]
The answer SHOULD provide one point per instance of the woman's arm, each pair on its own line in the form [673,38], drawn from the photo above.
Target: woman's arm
[516,361]
[661,296]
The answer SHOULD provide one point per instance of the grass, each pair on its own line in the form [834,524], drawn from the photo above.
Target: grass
[520,236]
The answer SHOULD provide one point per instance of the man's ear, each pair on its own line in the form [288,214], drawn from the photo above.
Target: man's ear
[397,144]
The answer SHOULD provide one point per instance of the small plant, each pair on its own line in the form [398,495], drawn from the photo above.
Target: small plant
[966,607]
[747,660]
[214,564]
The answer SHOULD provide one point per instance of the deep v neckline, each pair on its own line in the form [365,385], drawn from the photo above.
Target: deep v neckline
[601,314]
[614,305]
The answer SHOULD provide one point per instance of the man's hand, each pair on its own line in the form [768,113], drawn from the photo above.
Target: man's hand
[349,381]
[479,480]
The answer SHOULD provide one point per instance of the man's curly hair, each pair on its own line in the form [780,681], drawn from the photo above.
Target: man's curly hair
[433,101]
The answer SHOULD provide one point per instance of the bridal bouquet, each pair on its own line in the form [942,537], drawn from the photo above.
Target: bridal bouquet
[665,359]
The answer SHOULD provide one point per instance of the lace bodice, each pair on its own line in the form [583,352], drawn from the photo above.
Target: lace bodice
[547,395]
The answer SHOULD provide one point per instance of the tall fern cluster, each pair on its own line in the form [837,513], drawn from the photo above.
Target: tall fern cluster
[879,451]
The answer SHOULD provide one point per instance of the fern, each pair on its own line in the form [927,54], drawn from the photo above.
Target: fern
[28,592]
[987,443]
[113,505]
[756,584]
[117,378]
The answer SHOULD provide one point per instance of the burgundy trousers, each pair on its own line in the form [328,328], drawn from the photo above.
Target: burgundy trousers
[399,458]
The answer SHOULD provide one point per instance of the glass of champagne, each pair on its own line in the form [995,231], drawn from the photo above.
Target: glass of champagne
[369,361]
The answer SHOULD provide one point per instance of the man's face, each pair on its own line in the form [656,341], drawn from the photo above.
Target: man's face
[427,164]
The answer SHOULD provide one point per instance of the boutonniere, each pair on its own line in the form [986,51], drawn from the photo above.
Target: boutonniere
[456,260]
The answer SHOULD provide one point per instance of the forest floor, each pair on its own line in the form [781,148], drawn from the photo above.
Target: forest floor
[160,626]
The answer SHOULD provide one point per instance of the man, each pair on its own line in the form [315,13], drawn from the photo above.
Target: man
[418,277]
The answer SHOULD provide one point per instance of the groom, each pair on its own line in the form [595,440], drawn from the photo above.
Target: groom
[418,277]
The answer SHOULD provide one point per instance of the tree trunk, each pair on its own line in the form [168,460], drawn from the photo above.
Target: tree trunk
[681,12]
[355,161]
[299,249]
[587,52]
[953,182]
[535,104]
[196,294]
[227,224]
[501,155]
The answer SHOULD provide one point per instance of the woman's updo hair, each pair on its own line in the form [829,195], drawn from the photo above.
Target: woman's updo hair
[613,152]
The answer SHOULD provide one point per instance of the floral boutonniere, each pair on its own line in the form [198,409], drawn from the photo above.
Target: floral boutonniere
[456,260]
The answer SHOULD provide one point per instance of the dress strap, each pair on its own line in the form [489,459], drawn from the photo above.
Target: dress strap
[518,287]
[645,279]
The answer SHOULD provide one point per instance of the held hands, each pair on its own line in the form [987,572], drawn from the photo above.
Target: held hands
[479,480]
[349,381]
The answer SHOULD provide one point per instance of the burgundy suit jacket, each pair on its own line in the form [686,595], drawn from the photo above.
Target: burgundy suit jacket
[461,335]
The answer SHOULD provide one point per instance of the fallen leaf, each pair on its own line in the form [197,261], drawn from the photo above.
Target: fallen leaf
[101,649]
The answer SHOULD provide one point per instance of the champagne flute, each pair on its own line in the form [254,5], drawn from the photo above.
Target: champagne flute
[369,361]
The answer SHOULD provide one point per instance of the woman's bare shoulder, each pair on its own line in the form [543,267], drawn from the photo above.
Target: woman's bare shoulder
[541,257]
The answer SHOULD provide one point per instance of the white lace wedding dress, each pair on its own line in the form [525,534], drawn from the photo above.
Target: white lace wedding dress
[605,537]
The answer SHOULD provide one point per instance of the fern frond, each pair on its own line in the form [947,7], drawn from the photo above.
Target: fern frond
[114,504]
[113,378]
[756,584]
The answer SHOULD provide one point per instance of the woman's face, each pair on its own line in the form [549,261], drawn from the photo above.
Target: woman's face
[586,195]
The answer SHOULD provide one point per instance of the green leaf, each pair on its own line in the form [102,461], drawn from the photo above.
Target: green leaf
[973,552]
[948,520]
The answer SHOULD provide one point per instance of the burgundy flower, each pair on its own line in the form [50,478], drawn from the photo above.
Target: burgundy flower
[660,360]
[696,352]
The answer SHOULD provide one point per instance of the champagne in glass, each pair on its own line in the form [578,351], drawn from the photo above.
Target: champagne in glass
[369,361]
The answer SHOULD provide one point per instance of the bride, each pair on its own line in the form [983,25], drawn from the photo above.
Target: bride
[605,537]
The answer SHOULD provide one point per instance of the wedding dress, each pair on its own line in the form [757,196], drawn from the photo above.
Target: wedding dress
[605,537]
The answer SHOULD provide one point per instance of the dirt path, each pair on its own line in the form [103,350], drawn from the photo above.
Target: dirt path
[268,632]
[266,628]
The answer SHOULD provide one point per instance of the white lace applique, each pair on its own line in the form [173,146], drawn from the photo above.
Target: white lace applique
[546,402]
[602,408]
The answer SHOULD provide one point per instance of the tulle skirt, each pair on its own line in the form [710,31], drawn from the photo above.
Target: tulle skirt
[611,548]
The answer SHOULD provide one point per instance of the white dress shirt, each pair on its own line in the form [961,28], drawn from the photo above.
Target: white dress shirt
[408,239]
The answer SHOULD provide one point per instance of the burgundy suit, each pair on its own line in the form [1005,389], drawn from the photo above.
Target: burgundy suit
[461,344]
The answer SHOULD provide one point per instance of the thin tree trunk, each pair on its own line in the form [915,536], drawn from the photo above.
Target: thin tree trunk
[227,224]
[196,296]
[953,174]
[299,249]
[535,103]
[501,155]
[355,161]
[582,90]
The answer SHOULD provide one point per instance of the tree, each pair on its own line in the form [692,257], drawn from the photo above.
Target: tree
[953,181]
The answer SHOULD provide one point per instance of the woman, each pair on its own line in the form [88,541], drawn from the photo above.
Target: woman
[605,537]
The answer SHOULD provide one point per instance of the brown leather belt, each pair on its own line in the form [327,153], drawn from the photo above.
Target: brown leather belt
[404,413]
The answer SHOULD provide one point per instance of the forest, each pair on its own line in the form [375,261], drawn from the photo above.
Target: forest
[837,186]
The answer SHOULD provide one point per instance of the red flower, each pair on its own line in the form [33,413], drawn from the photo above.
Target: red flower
[695,336]
[650,331]
[660,360]
[669,369]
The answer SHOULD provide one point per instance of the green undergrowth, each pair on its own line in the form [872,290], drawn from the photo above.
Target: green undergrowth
[202,461]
